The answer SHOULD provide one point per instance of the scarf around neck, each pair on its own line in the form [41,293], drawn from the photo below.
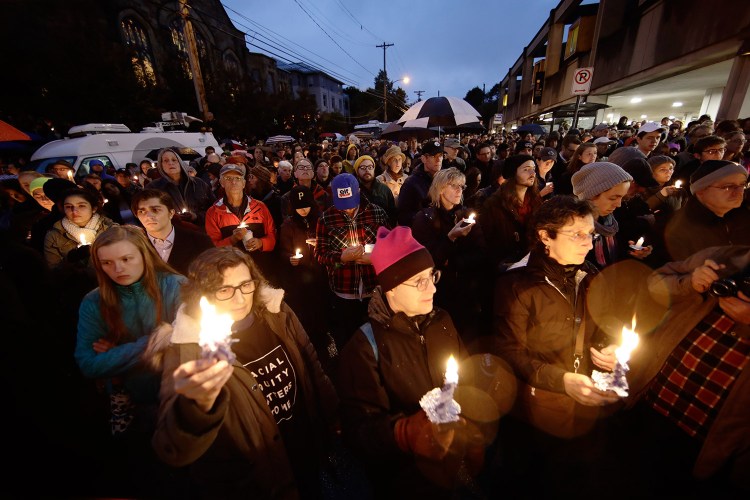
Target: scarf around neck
[89,230]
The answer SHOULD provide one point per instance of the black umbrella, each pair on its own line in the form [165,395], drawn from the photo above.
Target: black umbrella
[440,112]
[533,128]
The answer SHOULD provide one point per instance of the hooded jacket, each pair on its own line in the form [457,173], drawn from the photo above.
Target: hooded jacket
[192,193]
[236,450]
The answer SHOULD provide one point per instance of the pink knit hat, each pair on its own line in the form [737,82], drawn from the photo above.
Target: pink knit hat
[397,256]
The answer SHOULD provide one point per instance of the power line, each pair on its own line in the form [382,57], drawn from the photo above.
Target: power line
[334,41]
[284,38]
[336,29]
[361,25]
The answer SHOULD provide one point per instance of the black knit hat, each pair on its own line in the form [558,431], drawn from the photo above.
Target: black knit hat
[709,172]
[54,189]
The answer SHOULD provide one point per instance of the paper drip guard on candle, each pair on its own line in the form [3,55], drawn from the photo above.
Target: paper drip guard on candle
[617,379]
[638,244]
[215,337]
[438,403]
[297,255]
[471,219]
[369,247]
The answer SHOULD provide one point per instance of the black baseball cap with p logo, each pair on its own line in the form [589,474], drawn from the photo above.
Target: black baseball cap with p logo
[301,197]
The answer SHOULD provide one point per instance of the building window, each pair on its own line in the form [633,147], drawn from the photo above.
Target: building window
[180,45]
[232,68]
[325,101]
[141,59]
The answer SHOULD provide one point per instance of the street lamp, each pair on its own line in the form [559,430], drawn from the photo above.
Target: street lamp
[386,83]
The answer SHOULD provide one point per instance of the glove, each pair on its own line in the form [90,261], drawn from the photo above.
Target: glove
[79,254]
[417,435]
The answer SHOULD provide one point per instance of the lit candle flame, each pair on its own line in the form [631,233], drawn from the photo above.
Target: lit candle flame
[629,342]
[184,210]
[70,175]
[215,327]
[472,218]
[242,225]
[451,371]
[298,255]
[678,184]
[83,239]
[135,178]
[639,243]
[106,200]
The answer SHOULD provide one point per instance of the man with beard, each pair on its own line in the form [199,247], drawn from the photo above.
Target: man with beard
[375,191]
[484,163]
[322,173]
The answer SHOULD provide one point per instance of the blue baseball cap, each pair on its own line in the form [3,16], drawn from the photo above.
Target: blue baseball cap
[345,189]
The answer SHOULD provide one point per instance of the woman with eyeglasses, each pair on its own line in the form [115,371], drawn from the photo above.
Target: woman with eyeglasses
[544,330]
[256,425]
[458,249]
[389,364]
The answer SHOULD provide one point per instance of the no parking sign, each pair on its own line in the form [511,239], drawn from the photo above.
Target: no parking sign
[582,81]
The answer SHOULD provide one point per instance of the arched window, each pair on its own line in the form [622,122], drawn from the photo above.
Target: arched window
[232,67]
[180,44]
[137,41]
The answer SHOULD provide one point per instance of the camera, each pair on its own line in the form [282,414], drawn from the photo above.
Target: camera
[728,287]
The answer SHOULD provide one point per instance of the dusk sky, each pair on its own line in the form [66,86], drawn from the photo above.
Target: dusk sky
[445,47]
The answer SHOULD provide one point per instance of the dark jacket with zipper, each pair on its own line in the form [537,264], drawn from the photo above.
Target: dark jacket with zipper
[236,449]
[503,230]
[539,306]
[376,392]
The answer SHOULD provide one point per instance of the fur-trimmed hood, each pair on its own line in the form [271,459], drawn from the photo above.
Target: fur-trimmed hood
[185,329]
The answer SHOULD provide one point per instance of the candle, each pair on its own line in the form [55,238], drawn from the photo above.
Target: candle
[70,175]
[184,210]
[135,178]
[438,403]
[472,218]
[616,380]
[106,201]
[83,241]
[298,255]
[369,247]
[638,244]
[215,336]
[678,184]
[242,224]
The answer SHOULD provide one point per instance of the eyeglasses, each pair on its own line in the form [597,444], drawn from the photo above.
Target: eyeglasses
[227,292]
[731,187]
[580,236]
[718,151]
[367,167]
[304,168]
[423,283]
[457,187]
[233,179]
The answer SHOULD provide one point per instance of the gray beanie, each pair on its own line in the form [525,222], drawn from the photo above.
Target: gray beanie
[711,171]
[597,177]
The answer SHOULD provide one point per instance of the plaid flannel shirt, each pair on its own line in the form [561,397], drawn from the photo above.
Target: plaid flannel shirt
[335,232]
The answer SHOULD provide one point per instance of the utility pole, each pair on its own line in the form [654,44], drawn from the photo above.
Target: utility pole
[419,94]
[195,68]
[385,81]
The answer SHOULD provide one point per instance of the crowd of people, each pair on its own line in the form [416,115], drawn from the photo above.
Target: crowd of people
[351,272]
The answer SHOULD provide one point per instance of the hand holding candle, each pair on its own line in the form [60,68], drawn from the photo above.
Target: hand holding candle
[638,244]
[216,333]
[294,259]
[471,219]
[616,380]
[678,184]
[438,403]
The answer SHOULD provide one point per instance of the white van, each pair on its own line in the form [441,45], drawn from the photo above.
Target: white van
[115,145]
